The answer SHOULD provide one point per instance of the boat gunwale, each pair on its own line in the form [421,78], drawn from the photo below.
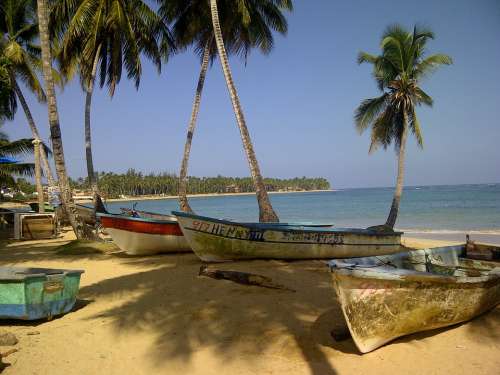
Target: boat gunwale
[286,242]
[288,228]
[36,273]
[349,267]
[144,219]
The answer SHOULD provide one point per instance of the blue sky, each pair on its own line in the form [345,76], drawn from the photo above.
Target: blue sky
[299,103]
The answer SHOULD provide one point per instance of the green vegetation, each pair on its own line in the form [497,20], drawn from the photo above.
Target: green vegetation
[246,26]
[398,71]
[8,166]
[135,183]
[104,38]
[7,102]
[21,58]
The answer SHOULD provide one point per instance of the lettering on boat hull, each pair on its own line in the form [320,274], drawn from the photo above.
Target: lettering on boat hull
[218,240]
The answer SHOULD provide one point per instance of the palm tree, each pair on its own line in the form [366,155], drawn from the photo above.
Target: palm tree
[8,103]
[104,35]
[9,167]
[192,25]
[18,32]
[55,128]
[266,212]
[398,72]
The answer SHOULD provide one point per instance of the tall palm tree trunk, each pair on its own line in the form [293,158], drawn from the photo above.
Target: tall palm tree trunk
[393,213]
[34,131]
[183,201]
[38,176]
[98,205]
[266,212]
[55,129]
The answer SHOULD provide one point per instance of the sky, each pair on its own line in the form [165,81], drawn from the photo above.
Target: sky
[299,103]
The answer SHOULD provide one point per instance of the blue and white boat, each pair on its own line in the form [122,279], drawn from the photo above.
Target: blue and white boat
[216,240]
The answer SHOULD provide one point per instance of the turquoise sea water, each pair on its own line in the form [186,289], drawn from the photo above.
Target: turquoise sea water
[444,210]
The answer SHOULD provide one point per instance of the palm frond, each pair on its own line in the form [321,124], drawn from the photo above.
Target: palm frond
[422,98]
[368,110]
[366,57]
[414,125]
[20,169]
[383,129]
[18,147]
[430,64]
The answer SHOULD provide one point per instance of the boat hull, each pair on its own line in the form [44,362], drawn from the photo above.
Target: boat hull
[31,294]
[380,308]
[140,236]
[215,240]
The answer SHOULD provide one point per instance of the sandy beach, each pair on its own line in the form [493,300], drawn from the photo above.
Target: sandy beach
[148,315]
[158,197]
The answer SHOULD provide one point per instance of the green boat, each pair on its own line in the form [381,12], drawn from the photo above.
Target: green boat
[37,293]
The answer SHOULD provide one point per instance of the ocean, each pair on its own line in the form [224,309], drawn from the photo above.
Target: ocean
[438,212]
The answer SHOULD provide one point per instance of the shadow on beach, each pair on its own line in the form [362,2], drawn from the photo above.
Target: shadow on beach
[190,313]
[183,314]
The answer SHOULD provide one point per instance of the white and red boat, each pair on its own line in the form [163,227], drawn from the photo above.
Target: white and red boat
[145,236]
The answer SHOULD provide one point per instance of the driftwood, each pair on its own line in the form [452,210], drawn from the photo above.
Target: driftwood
[242,278]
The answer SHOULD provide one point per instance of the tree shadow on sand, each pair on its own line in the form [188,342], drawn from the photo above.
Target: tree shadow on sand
[188,312]
[18,252]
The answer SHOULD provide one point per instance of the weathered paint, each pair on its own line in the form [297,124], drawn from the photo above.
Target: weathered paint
[218,240]
[31,294]
[381,303]
[144,236]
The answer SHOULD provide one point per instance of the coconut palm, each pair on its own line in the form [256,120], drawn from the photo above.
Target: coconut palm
[398,72]
[103,36]
[9,167]
[8,103]
[266,212]
[18,34]
[245,27]
[55,128]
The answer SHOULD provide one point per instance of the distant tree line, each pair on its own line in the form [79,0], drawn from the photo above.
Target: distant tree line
[136,183]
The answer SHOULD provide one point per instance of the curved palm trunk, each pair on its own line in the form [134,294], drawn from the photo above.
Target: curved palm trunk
[55,129]
[38,176]
[266,212]
[393,213]
[34,131]
[183,201]
[98,205]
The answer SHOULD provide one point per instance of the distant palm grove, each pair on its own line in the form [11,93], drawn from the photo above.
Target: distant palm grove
[113,185]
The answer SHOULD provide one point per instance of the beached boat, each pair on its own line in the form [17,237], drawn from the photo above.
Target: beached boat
[146,214]
[144,236]
[481,251]
[386,297]
[215,240]
[36,293]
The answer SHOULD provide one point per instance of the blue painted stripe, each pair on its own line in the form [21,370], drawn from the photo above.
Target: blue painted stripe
[36,310]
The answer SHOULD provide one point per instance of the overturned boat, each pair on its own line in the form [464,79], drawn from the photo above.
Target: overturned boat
[215,240]
[144,236]
[386,297]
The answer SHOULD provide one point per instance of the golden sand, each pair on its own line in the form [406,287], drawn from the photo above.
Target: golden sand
[155,315]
